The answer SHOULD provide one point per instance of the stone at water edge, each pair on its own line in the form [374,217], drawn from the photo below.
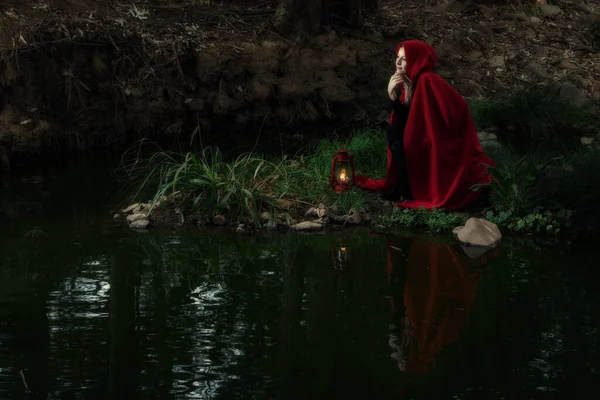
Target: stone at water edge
[264,217]
[220,220]
[136,217]
[130,209]
[586,140]
[478,232]
[140,224]
[307,226]
[312,212]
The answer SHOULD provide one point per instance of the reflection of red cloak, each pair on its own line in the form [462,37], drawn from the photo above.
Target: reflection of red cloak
[438,295]
[443,152]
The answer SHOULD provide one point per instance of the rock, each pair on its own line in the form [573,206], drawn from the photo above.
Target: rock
[285,219]
[336,219]
[220,220]
[136,217]
[535,20]
[354,217]
[240,229]
[322,212]
[265,216]
[478,232]
[130,209]
[537,70]
[549,10]
[140,224]
[323,220]
[572,93]
[312,213]
[497,62]
[307,226]
[117,217]
[586,140]
[366,218]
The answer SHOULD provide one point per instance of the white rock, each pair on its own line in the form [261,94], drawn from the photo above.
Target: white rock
[586,140]
[220,220]
[140,224]
[312,213]
[478,232]
[136,217]
[130,209]
[307,226]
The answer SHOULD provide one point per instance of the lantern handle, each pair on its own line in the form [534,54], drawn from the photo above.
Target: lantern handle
[332,174]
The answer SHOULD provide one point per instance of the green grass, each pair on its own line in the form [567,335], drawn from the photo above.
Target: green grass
[205,183]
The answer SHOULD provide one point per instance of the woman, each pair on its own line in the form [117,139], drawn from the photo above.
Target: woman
[434,154]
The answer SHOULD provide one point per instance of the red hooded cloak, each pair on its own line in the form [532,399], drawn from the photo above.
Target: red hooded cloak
[444,157]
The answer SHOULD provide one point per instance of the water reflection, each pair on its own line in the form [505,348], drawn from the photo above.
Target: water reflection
[432,290]
[193,316]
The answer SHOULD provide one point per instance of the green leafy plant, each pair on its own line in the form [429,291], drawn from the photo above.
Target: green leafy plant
[434,220]
[512,187]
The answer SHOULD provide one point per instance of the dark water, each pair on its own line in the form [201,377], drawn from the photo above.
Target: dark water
[91,310]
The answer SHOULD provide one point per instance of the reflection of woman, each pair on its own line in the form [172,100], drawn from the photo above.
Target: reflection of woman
[431,300]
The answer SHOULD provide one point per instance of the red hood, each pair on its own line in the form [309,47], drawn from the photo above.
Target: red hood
[420,57]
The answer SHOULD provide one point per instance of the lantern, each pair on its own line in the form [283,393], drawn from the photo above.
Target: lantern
[342,171]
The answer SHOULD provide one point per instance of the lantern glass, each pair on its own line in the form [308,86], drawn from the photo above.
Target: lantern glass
[343,173]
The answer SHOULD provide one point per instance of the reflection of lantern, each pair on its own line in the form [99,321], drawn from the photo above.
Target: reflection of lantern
[340,255]
[342,171]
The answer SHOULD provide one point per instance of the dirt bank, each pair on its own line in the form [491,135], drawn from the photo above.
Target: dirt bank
[115,74]
[85,73]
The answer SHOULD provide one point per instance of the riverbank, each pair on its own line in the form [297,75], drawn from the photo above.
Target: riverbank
[544,192]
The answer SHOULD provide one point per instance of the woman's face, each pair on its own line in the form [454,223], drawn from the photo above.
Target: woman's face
[401,61]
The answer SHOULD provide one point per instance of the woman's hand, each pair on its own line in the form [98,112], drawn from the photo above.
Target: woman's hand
[395,83]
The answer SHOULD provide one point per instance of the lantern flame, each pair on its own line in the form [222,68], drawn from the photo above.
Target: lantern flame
[343,176]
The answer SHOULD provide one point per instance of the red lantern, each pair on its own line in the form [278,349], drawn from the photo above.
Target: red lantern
[342,171]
